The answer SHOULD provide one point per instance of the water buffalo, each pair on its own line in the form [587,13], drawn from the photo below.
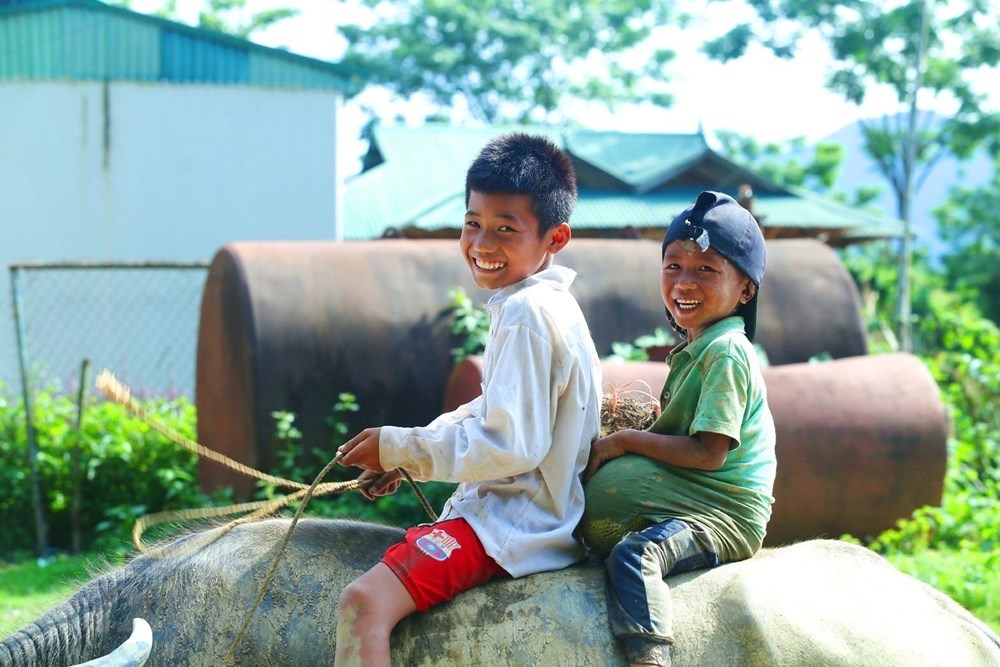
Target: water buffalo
[812,603]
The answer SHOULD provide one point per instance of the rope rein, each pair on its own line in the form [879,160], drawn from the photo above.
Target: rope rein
[115,390]
[109,385]
[274,564]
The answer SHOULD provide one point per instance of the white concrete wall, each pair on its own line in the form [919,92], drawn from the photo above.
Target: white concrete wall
[152,172]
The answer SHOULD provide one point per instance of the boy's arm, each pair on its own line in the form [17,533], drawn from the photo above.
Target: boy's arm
[512,433]
[470,409]
[715,425]
[363,449]
[704,450]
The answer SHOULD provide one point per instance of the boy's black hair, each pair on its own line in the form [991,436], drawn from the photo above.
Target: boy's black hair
[519,163]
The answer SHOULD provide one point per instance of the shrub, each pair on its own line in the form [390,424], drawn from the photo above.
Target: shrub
[126,469]
[469,323]
[955,547]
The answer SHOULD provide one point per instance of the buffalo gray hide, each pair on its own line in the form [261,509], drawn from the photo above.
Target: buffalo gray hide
[812,603]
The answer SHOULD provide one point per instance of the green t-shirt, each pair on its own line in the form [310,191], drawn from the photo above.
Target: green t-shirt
[715,385]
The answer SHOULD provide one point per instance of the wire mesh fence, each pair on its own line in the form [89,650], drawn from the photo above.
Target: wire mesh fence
[137,319]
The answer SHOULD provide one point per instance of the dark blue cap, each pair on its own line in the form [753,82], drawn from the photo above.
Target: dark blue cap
[717,221]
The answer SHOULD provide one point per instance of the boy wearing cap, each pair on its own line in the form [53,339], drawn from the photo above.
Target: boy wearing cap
[694,490]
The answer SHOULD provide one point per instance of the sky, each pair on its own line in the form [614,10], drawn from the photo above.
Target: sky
[759,95]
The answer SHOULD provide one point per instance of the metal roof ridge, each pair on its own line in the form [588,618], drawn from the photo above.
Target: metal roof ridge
[37,5]
[196,31]
[577,133]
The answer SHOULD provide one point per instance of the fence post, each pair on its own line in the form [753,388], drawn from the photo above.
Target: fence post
[41,529]
[74,507]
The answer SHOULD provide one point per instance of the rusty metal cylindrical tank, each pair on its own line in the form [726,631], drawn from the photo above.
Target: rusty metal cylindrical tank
[861,441]
[809,304]
[290,325]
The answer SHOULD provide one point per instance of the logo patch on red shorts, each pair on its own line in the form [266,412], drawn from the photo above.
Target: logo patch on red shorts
[437,544]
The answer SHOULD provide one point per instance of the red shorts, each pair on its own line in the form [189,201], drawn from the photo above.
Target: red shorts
[438,561]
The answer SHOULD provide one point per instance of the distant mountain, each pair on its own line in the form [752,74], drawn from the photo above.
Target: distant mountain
[858,170]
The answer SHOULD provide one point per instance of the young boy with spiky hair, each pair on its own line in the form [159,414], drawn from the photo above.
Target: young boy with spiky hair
[518,450]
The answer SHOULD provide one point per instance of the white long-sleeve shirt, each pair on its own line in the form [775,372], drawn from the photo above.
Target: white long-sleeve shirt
[518,450]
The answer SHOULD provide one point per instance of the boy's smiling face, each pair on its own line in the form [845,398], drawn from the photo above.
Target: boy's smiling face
[701,288]
[500,239]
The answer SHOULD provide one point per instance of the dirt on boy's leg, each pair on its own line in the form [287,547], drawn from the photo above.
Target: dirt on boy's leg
[348,652]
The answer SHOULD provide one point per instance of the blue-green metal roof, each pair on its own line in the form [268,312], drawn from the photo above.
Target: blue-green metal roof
[89,40]
[422,169]
[637,180]
[617,210]
[640,160]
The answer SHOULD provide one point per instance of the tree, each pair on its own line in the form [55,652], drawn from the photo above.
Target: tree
[217,16]
[924,51]
[224,16]
[788,164]
[970,219]
[514,60]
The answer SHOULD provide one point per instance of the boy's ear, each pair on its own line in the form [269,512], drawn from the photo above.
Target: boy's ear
[559,236]
[748,291]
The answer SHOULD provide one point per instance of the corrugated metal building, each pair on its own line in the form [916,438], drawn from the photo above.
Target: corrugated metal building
[126,137]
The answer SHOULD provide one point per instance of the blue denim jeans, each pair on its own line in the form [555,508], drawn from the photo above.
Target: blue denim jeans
[639,602]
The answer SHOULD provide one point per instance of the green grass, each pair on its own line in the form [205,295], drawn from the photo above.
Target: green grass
[30,587]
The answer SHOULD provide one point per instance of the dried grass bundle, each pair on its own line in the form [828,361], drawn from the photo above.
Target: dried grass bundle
[623,408]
